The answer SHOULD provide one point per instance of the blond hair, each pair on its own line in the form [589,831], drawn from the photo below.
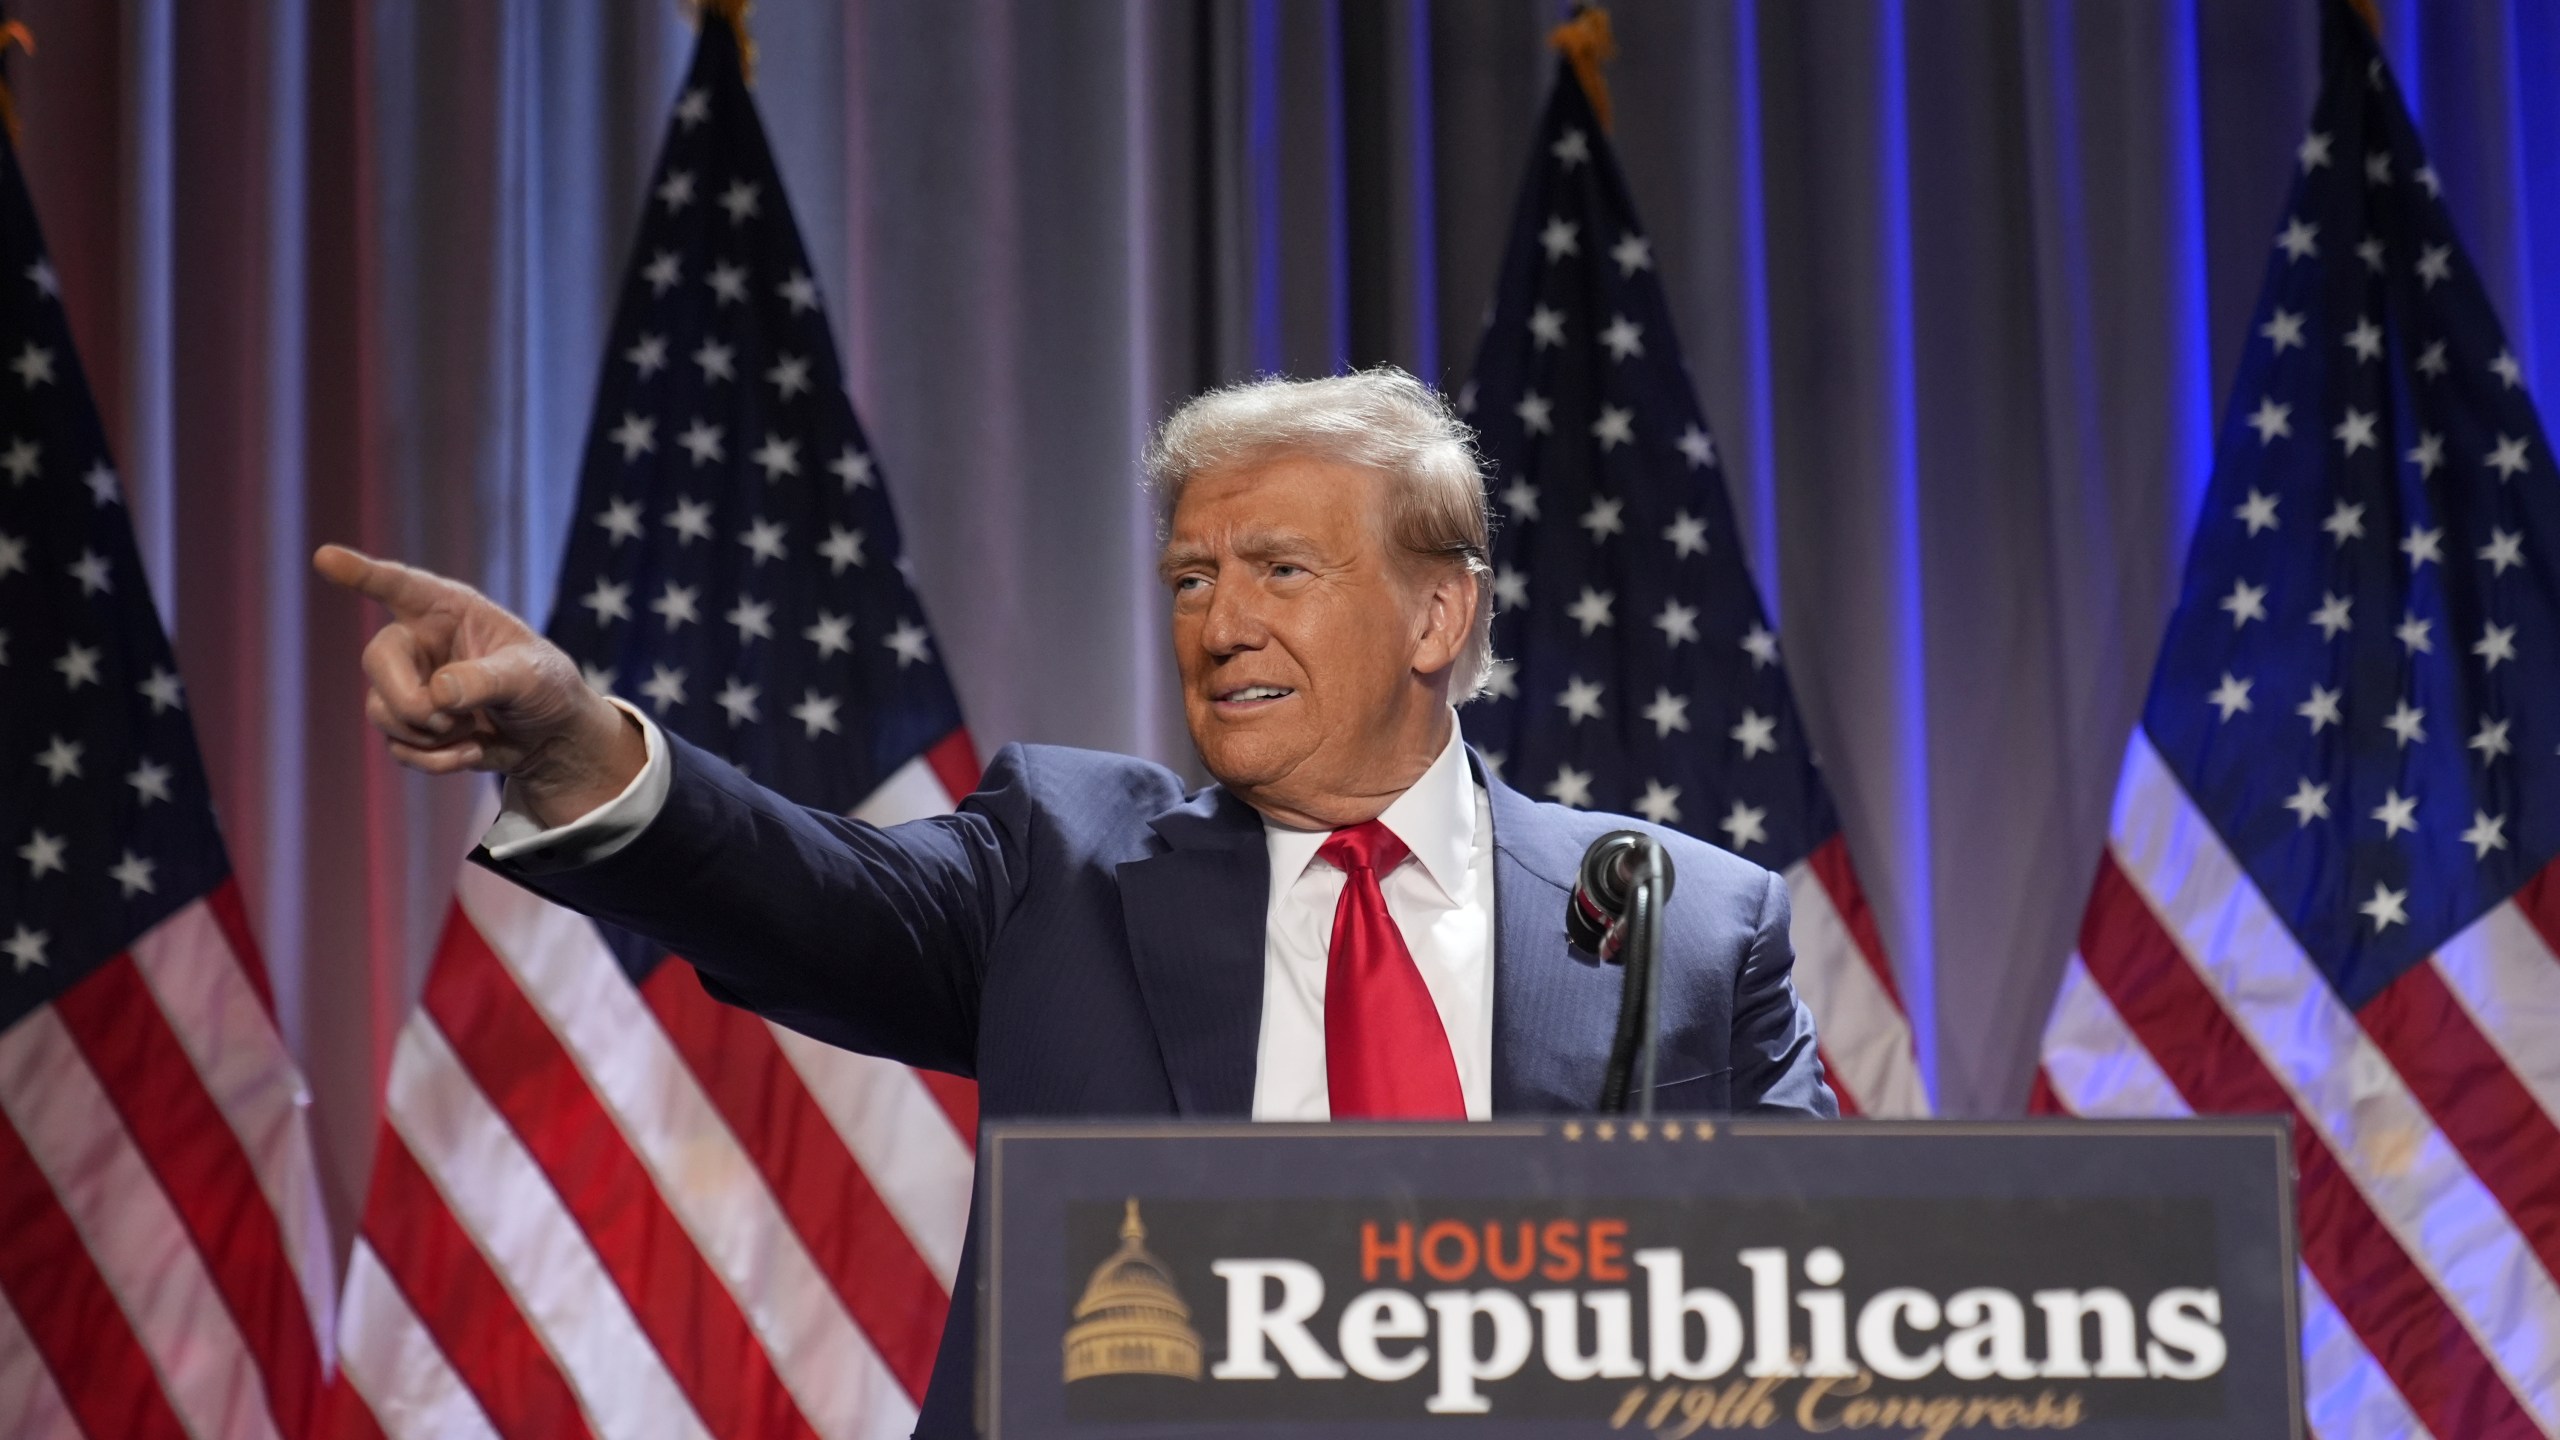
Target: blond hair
[1382,420]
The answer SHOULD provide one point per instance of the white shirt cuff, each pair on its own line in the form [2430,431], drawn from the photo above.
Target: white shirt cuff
[515,837]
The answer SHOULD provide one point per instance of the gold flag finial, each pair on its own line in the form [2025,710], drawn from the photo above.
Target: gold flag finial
[13,33]
[1586,43]
[734,12]
[1130,1229]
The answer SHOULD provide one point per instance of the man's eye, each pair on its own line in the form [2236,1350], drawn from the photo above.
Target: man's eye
[1187,583]
[1285,571]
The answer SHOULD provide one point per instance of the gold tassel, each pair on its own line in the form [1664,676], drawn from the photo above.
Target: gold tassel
[734,12]
[13,33]
[1585,41]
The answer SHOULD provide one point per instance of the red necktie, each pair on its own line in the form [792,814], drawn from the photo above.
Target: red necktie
[1386,1056]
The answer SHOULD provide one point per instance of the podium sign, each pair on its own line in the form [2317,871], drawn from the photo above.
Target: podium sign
[1688,1277]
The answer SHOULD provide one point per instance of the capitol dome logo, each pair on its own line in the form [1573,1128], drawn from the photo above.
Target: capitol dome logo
[1131,1320]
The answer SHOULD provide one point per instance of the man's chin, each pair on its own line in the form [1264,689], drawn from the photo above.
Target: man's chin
[1244,763]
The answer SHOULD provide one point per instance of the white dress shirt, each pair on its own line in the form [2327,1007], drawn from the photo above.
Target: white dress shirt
[1442,900]
[1441,897]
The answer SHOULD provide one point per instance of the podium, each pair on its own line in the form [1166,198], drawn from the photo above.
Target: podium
[1603,1276]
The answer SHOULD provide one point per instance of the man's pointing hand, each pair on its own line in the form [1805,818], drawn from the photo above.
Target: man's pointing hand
[460,683]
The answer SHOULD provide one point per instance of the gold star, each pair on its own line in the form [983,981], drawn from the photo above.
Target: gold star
[1573,1129]
[1670,1129]
[1608,1130]
[1637,1131]
[1705,1130]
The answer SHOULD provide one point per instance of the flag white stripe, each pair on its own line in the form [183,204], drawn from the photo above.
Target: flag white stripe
[2455,1231]
[395,1365]
[31,1404]
[188,965]
[912,792]
[2346,1395]
[899,1136]
[2095,1063]
[708,1180]
[1864,1033]
[499,1195]
[131,1232]
[2506,978]
[2100,1069]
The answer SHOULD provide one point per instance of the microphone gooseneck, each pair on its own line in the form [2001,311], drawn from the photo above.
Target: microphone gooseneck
[1615,912]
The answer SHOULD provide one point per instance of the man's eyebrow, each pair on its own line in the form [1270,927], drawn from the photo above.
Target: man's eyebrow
[1275,545]
[1251,544]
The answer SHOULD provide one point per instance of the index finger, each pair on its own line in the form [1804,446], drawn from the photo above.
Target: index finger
[409,592]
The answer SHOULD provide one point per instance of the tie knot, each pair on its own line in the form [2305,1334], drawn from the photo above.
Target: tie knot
[1369,846]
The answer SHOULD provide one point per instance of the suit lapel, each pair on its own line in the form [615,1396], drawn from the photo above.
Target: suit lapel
[1555,1008]
[1195,913]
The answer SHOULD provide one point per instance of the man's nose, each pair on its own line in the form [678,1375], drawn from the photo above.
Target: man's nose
[1234,622]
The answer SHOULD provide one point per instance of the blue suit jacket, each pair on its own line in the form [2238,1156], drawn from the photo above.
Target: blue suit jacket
[1085,939]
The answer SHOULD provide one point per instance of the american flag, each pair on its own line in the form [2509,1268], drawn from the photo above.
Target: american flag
[606,1204]
[2328,889]
[164,1262]
[1639,671]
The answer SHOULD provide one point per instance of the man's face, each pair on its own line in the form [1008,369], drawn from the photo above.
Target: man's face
[1314,658]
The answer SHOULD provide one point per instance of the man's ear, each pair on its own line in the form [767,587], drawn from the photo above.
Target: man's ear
[1448,613]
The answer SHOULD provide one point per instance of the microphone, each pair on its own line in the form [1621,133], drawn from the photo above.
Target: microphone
[1595,916]
[1619,896]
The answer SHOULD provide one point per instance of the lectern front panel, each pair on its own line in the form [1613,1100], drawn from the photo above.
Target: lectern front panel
[1607,1277]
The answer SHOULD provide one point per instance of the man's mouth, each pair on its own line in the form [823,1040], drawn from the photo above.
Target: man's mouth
[1252,696]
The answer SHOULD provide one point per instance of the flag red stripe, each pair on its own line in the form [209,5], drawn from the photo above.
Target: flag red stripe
[1839,1090]
[1830,864]
[690,1318]
[954,761]
[232,914]
[2043,1099]
[2479,1104]
[68,1311]
[850,1233]
[457,1296]
[143,1067]
[2380,1291]
[344,1415]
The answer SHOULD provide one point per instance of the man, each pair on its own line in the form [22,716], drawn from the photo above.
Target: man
[1358,919]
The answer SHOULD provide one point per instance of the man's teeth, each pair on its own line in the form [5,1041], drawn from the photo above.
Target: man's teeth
[1258,692]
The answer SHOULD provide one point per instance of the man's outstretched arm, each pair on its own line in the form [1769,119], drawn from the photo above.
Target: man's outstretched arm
[867,938]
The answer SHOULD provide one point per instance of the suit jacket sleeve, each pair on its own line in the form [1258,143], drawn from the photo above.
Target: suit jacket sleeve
[1776,1067]
[874,939]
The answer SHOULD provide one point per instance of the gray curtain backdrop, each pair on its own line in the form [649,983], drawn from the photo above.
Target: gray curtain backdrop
[1961,284]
